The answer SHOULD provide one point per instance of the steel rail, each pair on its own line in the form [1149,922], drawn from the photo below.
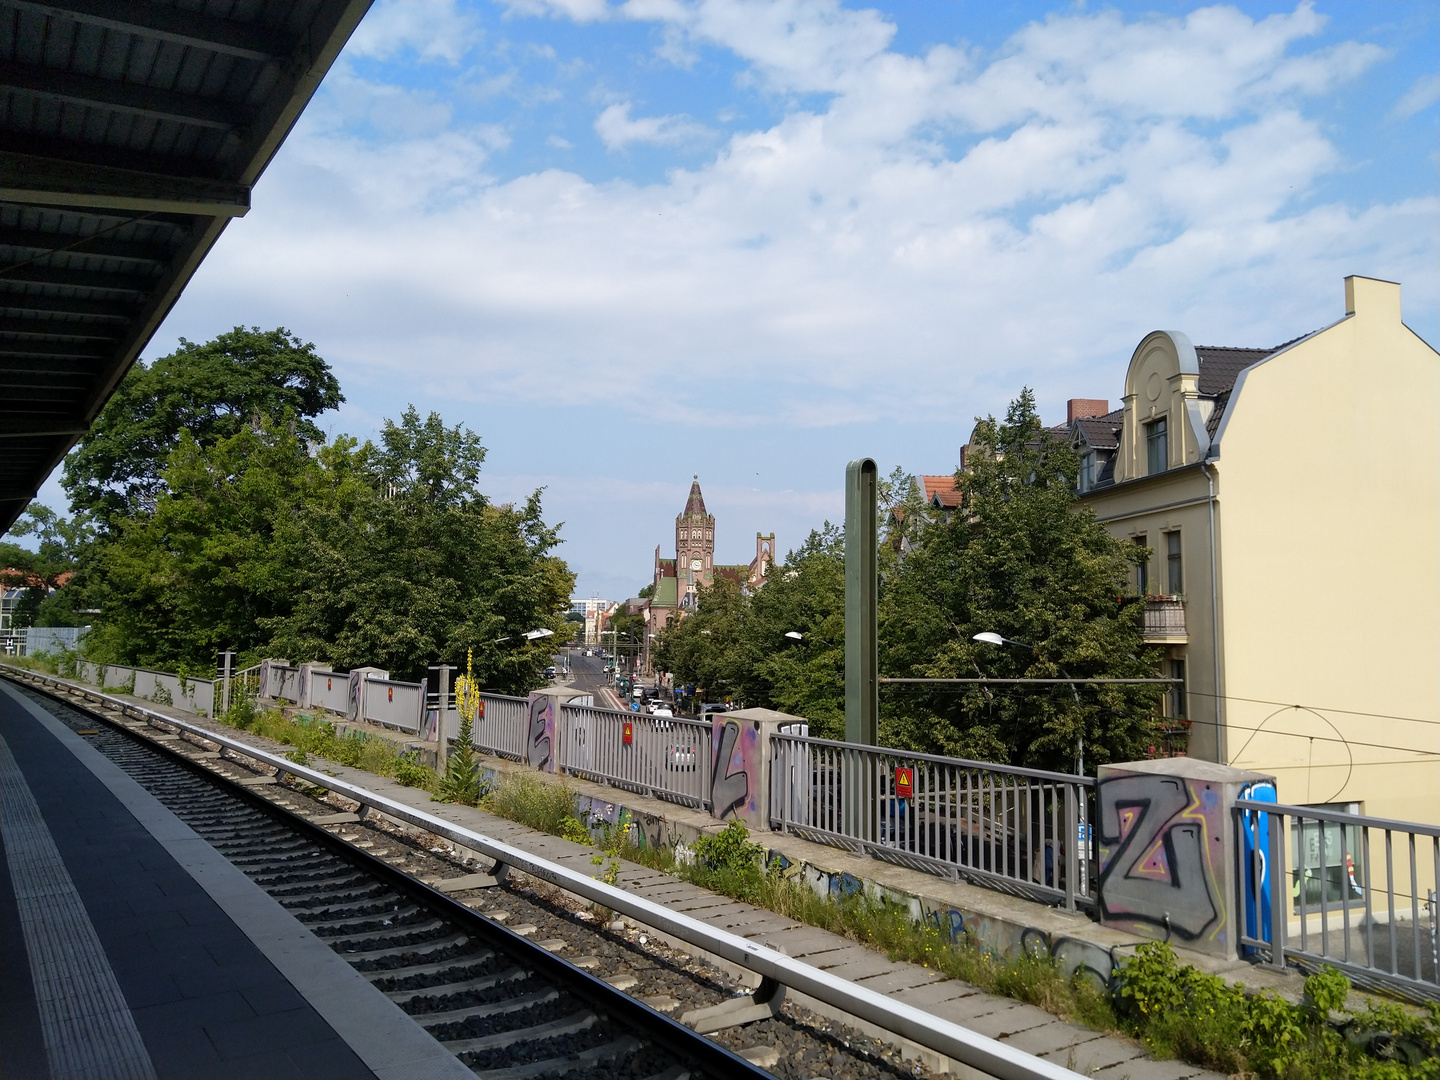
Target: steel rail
[925,1029]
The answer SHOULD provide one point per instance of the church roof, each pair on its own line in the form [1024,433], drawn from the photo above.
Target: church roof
[666,593]
[696,503]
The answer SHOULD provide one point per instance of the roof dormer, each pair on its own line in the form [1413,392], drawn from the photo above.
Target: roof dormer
[1164,425]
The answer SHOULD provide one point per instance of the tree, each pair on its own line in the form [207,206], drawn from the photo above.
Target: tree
[1022,559]
[201,572]
[45,574]
[735,645]
[401,562]
[211,391]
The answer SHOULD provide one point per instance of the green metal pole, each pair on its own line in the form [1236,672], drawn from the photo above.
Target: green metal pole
[862,582]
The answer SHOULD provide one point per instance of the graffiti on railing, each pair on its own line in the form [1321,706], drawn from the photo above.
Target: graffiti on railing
[540,743]
[734,758]
[1160,842]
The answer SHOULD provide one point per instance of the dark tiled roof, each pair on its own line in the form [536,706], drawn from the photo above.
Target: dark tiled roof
[1100,431]
[1220,366]
[737,574]
[696,503]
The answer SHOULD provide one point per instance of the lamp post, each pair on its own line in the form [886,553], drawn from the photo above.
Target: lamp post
[989,637]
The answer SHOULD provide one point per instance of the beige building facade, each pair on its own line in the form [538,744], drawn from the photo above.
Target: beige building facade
[1290,499]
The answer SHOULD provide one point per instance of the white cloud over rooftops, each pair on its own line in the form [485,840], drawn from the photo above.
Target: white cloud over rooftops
[908,240]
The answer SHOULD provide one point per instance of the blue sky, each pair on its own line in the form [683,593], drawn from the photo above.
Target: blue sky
[628,243]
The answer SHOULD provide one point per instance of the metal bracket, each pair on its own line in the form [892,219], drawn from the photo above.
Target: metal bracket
[761,1005]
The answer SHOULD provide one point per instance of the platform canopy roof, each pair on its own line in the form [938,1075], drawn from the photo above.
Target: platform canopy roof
[131,133]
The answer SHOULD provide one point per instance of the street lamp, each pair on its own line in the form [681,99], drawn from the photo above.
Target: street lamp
[989,637]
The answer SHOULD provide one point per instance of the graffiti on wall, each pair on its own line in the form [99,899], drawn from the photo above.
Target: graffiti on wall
[1255,837]
[1161,851]
[302,687]
[540,745]
[354,711]
[735,760]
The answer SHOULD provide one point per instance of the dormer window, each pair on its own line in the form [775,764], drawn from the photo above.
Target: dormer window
[1157,456]
[1087,470]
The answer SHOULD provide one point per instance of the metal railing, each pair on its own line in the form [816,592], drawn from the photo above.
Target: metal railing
[503,728]
[667,757]
[1022,831]
[1164,617]
[1327,887]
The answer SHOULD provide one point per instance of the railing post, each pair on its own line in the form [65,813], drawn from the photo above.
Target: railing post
[1072,845]
[1279,915]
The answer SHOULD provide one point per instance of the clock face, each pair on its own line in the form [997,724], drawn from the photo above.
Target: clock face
[694,564]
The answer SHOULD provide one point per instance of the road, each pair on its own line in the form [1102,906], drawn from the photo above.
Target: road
[587,676]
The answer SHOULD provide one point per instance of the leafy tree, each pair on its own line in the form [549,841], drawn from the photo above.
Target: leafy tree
[200,572]
[736,644]
[1022,559]
[401,562]
[48,597]
[211,391]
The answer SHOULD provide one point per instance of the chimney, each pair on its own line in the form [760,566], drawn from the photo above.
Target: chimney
[1080,408]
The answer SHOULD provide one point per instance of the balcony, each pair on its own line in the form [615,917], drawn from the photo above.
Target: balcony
[1165,620]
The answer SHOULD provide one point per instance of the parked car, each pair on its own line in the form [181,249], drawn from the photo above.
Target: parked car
[661,710]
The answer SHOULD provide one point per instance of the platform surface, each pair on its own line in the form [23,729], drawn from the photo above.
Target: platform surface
[130,948]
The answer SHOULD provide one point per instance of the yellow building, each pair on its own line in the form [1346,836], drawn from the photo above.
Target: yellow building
[1290,498]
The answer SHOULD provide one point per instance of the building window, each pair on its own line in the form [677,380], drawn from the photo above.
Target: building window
[1176,695]
[1156,446]
[1142,569]
[1175,564]
[1087,470]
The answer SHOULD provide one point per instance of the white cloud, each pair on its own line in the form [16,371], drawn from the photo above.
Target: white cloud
[943,229]
[617,130]
[436,30]
[1424,93]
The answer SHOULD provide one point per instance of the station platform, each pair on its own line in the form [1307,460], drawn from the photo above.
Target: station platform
[131,949]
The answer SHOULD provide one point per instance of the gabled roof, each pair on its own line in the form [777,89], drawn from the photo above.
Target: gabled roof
[733,572]
[132,133]
[667,567]
[1101,432]
[942,488]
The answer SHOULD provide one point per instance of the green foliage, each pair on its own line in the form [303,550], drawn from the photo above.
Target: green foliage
[461,782]
[44,574]
[1181,1012]
[550,808]
[1022,559]
[735,645]
[161,696]
[412,772]
[212,391]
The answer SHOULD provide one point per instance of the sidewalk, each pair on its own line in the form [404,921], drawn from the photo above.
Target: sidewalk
[1023,1026]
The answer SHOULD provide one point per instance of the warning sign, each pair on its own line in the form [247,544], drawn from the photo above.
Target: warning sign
[904,782]
[627,733]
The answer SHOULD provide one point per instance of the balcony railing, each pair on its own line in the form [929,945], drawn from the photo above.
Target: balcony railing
[1165,618]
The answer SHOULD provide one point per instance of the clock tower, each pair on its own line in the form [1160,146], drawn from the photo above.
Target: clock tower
[694,547]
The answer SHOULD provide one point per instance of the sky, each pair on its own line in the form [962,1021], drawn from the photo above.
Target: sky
[630,243]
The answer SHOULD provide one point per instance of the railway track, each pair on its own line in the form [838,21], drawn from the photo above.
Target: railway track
[508,1007]
[482,976]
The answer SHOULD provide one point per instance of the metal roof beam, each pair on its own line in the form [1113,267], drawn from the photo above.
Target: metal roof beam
[25,178]
[34,302]
[23,429]
[58,328]
[91,91]
[49,243]
[192,28]
[32,274]
[18,347]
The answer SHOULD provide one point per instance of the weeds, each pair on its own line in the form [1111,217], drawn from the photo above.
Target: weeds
[310,735]
[546,807]
[1178,1011]
[461,782]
